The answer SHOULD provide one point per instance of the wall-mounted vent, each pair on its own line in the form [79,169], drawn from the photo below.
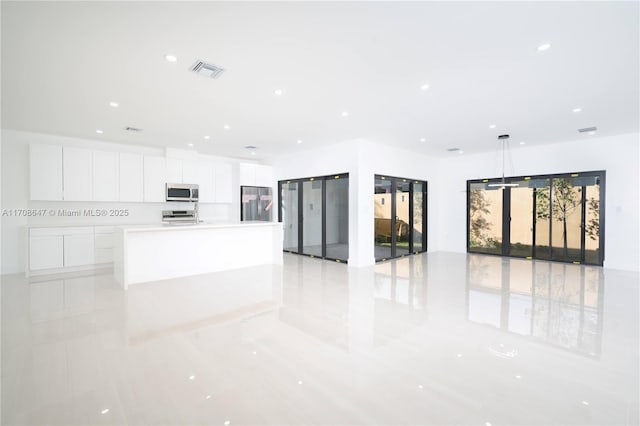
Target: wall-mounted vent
[588,129]
[453,149]
[206,70]
[132,129]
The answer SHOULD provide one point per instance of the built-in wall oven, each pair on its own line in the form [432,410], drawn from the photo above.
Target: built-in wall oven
[182,192]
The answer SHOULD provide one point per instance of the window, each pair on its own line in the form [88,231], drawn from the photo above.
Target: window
[399,217]
[551,217]
[315,216]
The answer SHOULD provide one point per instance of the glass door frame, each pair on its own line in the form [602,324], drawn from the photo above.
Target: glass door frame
[506,214]
[394,180]
[299,182]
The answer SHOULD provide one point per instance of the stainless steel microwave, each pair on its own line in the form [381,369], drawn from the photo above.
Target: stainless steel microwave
[182,192]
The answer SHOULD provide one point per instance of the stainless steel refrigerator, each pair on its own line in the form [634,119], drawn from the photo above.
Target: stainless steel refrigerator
[256,203]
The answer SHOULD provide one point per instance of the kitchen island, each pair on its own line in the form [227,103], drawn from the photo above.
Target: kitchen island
[146,253]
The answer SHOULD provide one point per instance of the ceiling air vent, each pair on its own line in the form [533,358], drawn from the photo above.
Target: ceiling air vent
[250,147]
[132,129]
[588,129]
[206,70]
[453,149]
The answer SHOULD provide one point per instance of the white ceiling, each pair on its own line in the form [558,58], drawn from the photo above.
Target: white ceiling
[63,62]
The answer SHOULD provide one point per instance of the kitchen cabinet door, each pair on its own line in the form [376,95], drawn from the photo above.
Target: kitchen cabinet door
[79,247]
[174,170]
[190,171]
[224,183]
[263,176]
[45,172]
[155,178]
[247,174]
[77,174]
[45,252]
[206,181]
[131,177]
[105,176]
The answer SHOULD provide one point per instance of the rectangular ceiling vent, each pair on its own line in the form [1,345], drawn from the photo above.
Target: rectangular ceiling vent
[453,149]
[132,129]
[206,70]
[588,129]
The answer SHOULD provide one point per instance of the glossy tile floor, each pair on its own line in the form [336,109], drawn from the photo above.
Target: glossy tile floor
[433,339]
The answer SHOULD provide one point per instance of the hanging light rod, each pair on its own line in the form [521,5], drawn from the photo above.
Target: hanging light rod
[502,185]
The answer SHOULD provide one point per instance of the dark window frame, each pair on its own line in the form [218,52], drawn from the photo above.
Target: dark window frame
[506,215]
[299,182]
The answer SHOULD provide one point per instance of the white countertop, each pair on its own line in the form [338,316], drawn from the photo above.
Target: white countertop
[192,226]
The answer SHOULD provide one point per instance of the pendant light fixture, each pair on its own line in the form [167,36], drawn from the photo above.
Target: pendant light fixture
[504,139]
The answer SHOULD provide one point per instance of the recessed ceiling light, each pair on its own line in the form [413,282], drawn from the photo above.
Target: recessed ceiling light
[113,104]
[593,132]
[191,377]
[461,152]
[170,58]
[207,137]
[299,141]
[99,132]
[190,144]
[420,387]
[585,402]
[105,411]
[424,87]
[492,126]
[577,110]
[345,113]
[226,127]
[278,92]
[227,423]
[543,47]
[207,397]
[299,382]
[423,140]
[253,153]
[523,143]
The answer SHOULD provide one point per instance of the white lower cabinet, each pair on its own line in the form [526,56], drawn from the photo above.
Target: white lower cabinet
[78,247]
[71,248]
[103,244]
[46,251]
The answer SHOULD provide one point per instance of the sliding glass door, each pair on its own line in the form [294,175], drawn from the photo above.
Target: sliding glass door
[289,215]
[556,217]
[315,216]
[312,217]
[337,217]
[399,217]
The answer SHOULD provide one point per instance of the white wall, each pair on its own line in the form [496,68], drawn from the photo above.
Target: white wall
[447,176]
[328,160]
[15,195]
[362,160]
[617,155]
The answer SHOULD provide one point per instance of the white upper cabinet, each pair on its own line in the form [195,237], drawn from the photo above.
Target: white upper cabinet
[105,176]
[264,176]
[256,175]
[174,170]
[155,178]
[247,174]
[77,174]
[190,171]
[206,181]
[131,177]
[45,172]
[223,183]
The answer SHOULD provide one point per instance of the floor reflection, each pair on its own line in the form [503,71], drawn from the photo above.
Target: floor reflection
[447,339]
[553,303]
